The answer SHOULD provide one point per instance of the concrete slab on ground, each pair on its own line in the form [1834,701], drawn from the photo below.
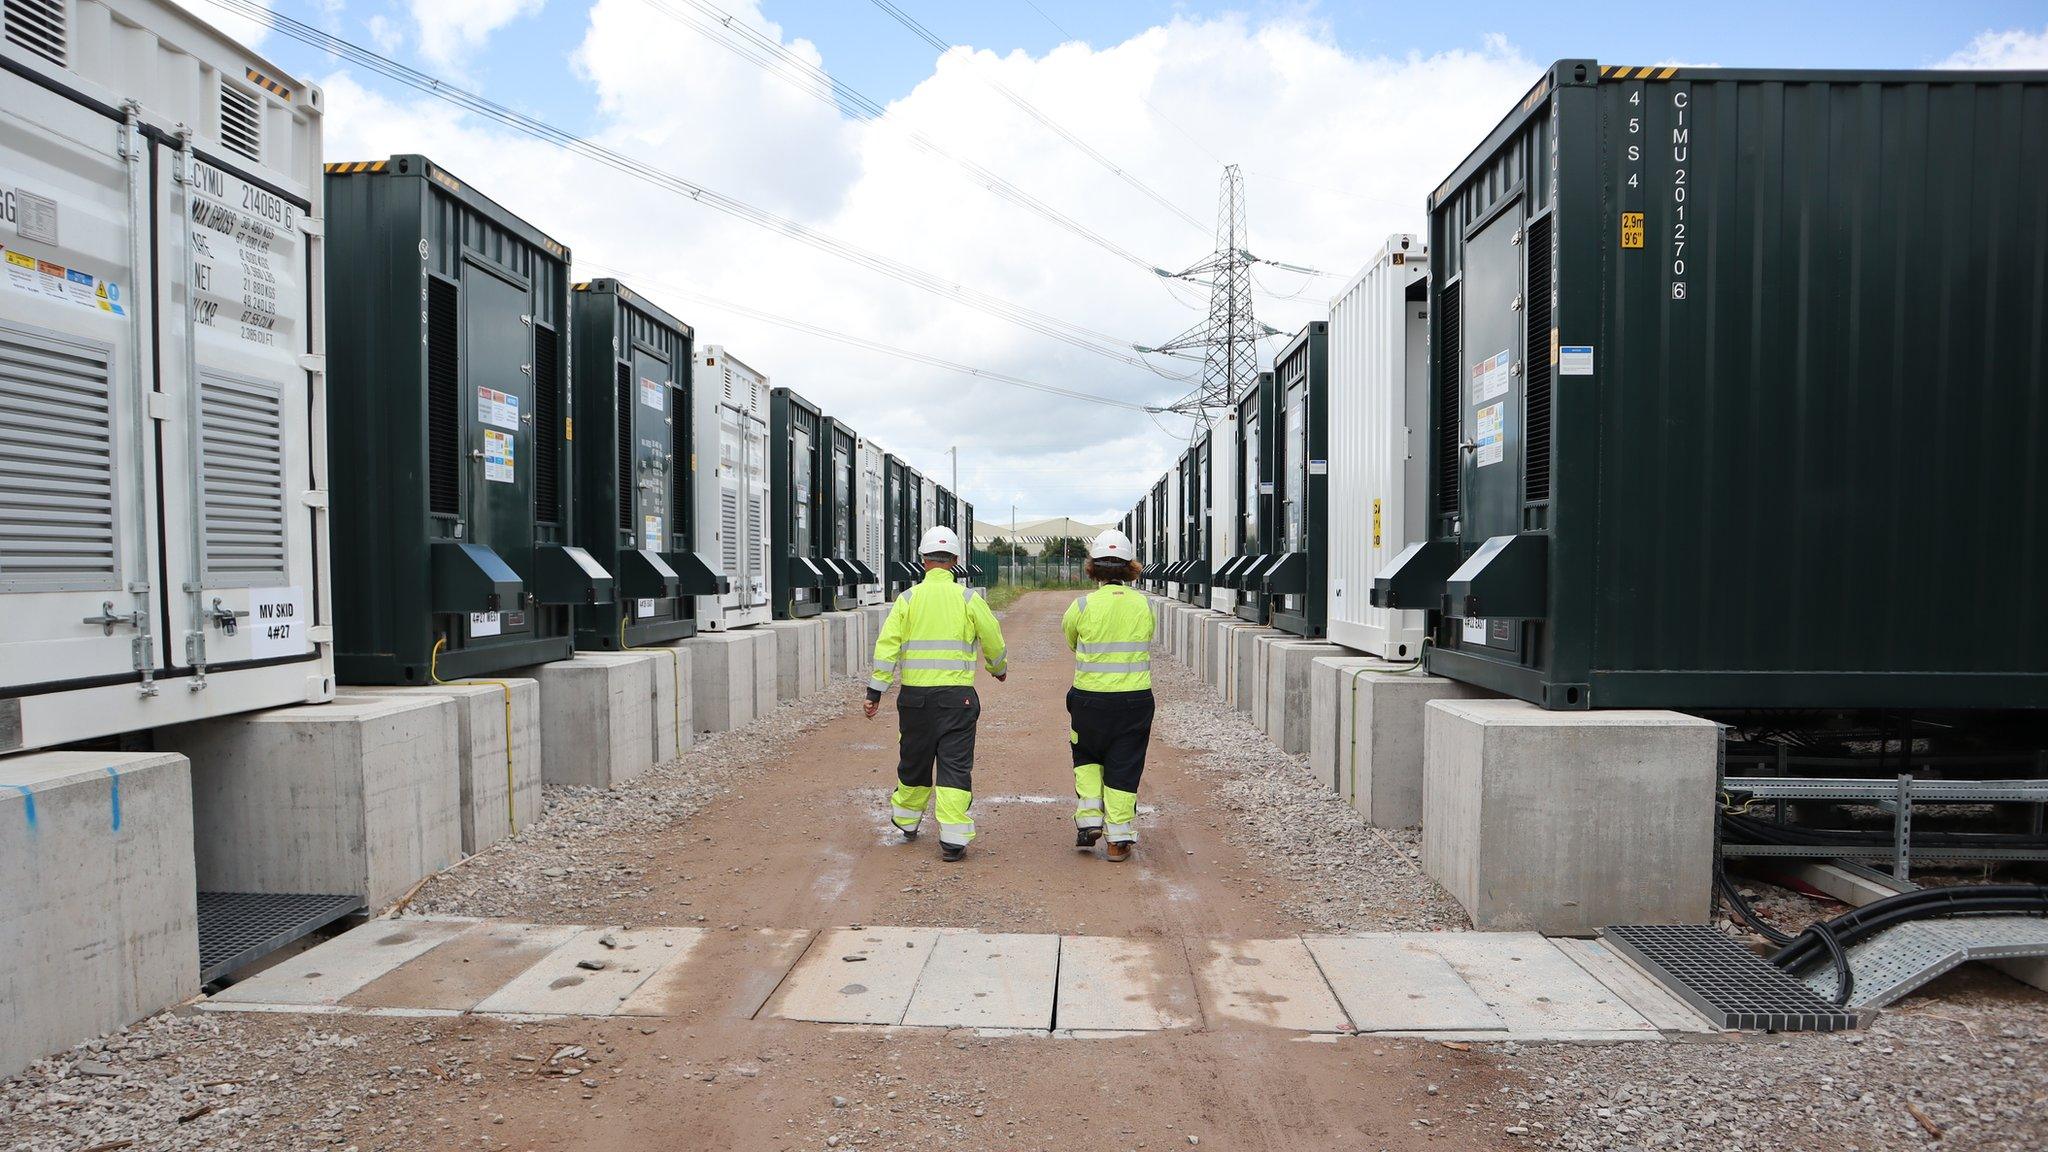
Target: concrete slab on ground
[560,984]
[460,972]
[1534,987]
[1393,982]
[488,718]
[978,980]
[761,957]
[1265,984]
[99,925]
[595,723]
[1636,987]
[1125,984]
[331,972]
[874,987]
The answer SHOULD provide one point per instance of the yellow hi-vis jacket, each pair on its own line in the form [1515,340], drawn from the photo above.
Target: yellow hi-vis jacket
[1110,631]
[934,633]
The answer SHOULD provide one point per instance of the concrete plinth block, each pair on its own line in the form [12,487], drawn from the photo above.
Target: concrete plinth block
[1563,822]
[1214,627]
[358,797]
[1262,669]
[672,701]
[490,718]
[767,669]
[1242,685]
[876,614]
[1376,759]
[722,689]
[99,925]
[851,649]
[802,655]
[1326,699]
[595,724]
[1222,666]
[1287,691]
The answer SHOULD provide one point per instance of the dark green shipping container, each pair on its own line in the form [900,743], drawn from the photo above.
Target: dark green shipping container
[1295,584]
[635,483]
[1739,393]
[796,479]
[1252,505]
[839,501]
[448,422]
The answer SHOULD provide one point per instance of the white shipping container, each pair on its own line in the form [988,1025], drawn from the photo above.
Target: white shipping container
[1379,333]
[163,478]
[731,402]
[871,518]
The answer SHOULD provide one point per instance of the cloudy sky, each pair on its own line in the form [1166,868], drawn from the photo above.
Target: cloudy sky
[1342,115]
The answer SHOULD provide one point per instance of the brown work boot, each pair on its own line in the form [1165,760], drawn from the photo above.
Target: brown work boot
[1118,851]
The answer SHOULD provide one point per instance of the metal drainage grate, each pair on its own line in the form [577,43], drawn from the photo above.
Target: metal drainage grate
[1728,983]
[1899,959]
[236,928]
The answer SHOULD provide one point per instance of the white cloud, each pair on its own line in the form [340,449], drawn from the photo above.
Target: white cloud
[386,35]
[2013,49]
[450,30]
[1343,150]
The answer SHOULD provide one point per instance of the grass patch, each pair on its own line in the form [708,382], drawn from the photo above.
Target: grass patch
[1002,596]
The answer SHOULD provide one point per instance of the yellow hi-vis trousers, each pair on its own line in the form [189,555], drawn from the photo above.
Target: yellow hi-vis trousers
[1109,733]
[935,741]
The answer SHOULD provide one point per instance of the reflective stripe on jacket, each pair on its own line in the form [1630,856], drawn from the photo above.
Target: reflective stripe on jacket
[1110,631]
[934,634]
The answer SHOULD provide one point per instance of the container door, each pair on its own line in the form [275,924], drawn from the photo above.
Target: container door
[649,411]
[250,541]
[803,505]
[76,475]
[756,460]
[1249,492]
[1490,478]
[732,547]
[497,345]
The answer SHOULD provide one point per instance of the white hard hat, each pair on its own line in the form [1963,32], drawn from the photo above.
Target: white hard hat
[1112,545]
[939,540]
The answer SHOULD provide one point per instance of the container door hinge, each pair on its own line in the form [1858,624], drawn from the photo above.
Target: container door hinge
[313,225]
[320,634]
[314,498]
[159,405]
[313,362]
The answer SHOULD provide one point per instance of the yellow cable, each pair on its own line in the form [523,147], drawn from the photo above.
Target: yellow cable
[511,778]
[675,658]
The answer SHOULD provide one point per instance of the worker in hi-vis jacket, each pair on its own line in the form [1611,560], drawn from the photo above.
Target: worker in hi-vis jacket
[1109,708]
[935,633]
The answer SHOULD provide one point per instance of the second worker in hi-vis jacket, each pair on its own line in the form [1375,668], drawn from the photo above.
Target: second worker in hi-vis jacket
[1109,708]
[937,631]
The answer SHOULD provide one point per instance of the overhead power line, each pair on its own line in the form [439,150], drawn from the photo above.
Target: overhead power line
[1029,109]
[1080,336]
[773,57]
[639,282]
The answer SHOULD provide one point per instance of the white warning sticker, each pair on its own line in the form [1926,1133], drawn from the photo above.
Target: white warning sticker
[500,457]
[1492,437]
[46,278]
[653,394]
[652,530]
[497,409]
[1490,377]
[1575,360]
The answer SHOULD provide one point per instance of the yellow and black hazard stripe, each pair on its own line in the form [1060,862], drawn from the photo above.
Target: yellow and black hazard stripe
[1632,72]
[268,85]
[347,167]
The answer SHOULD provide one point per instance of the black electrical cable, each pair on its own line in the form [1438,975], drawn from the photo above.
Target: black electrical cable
[1845,980]
[1748,915]
[1922,903]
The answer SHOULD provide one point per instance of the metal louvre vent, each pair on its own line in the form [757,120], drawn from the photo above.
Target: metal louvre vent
[1536,367]
[444,403]
[548,427]
[625,446]
[242,476]
[41,27]
[56,461]
[241,121]
[729,529]
[757,530]
[1450,404]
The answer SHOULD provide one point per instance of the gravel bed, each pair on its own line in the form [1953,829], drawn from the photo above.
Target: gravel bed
[1352,877]
[177,1081]
[1964,1058]
[582,855]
